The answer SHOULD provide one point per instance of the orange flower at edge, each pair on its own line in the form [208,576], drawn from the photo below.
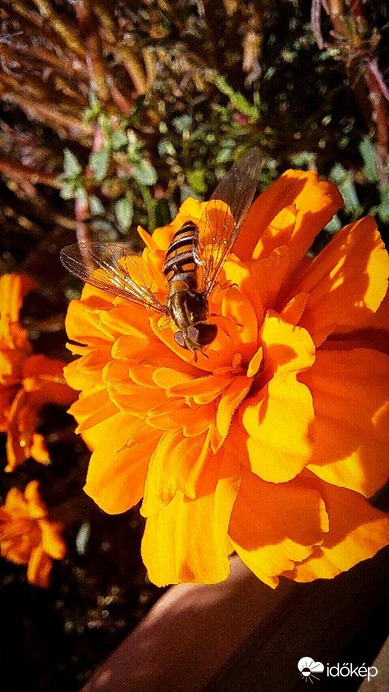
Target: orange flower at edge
[260,446]
[28,536]
[27,380]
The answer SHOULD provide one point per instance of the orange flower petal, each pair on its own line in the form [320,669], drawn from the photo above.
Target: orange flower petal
[312,201]
[142,374]
[273,526]
[15,503]
[21,425]
[117,472]
[36,507]
[148,240]
[357,531]
[43,378]
[126,347]
[127,319]
[278,417]
[186,541]
[92,408]
[11,364]
[279,445]
[350,430]
[85,372]
[52,541]
[166,378]
[175,414]
[38,449]
[137,402]
[255,363]
[238,331]
[175,465]
[266,279]
[294,309]
[287,348]
[13,289]
[201,388]
[42,383]
[39,568]
[83,323]
[231,398]
[190,210]
[374,333]
[347,281]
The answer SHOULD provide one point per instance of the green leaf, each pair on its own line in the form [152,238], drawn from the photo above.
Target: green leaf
[82,537]
[334,225]
[225,155]
[82,196]
[182,123]
[119,140]
[133,145]
[196,180]
[94,109]
[166,148]
[144,172]
[345,182]
[367,150]
[124,212]
[99,163]
[96,208]
[383,209]
[68,190]
[303,158]
[71,166]
[237,99]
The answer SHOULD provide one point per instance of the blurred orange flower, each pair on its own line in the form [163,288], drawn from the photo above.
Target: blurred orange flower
[270,445]
[27,380]
[28,536]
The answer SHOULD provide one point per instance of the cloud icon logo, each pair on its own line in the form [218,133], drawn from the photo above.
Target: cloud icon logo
[308,667]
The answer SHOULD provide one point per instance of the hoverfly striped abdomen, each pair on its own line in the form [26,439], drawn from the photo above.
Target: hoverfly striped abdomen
[187,306]
[180,261]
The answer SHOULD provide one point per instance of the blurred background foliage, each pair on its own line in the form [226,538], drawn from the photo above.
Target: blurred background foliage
[110,115]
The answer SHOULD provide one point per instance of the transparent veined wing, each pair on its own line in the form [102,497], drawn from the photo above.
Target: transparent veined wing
[113,268]
[224,216]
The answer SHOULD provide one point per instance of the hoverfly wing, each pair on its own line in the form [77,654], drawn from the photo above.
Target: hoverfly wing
[112,268]
[224,216]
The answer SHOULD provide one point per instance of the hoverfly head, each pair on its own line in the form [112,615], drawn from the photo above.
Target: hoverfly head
[196,337]
[179,338]
[202,334]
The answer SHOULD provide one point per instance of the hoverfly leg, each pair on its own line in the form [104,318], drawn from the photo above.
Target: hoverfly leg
[163,325]
[224,317]
[225,285]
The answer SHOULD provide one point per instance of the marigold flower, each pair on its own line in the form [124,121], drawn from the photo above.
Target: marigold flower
[269,446]
[27,380]
[28,536]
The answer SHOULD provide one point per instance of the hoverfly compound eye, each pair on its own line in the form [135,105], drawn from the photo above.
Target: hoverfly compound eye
[202,333]
[194,332]
[179,338]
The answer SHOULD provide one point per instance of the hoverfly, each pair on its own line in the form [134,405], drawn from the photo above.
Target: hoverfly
[193,260]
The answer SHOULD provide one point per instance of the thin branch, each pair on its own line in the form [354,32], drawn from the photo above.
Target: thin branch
[95,59]
[49,115]
[64,28]
[35,176]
